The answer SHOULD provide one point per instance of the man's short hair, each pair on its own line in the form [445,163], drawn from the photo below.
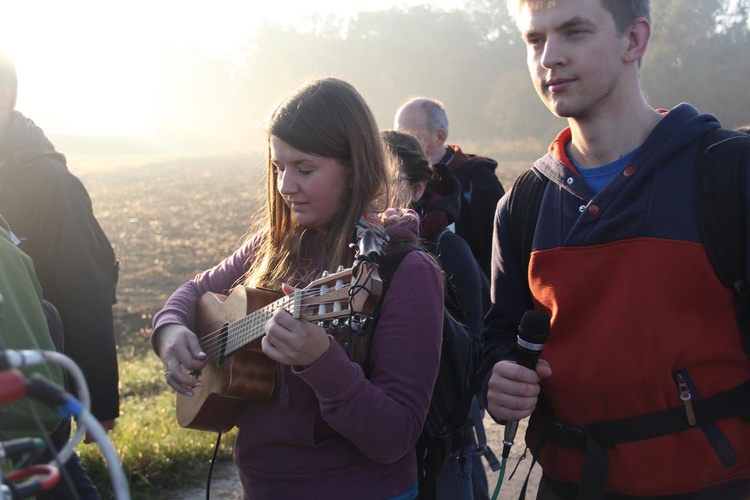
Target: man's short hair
[7,70]
[434,110]
[624,12]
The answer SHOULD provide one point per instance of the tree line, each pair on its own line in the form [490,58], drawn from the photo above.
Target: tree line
[472,59]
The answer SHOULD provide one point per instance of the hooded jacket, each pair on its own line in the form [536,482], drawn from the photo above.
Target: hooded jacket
[463,275]
[638,315]
[480,192]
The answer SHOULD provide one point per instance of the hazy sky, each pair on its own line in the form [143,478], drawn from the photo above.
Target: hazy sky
[87,66]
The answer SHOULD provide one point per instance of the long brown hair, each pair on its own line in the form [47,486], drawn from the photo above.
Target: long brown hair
[328,118]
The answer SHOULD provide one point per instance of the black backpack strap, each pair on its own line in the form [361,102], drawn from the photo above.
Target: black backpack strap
[720,184]
[433,244]
[523,208]
[452,297]
[465,172]
[594,439]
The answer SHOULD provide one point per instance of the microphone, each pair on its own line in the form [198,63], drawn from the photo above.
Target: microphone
[533,332]
[20,359]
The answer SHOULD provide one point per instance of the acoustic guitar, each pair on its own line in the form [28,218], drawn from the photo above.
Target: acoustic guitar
[229,329]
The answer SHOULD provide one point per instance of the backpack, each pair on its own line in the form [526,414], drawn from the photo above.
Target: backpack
[719,195]
[721,167]
[460,377]
[470,213]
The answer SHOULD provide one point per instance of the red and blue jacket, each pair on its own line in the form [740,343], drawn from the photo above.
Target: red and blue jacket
[639,320]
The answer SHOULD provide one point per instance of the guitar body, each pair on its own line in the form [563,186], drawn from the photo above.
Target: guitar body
[229,383]
[230,329]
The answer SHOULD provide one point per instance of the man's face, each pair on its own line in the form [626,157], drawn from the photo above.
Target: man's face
[413,120]
[574,55]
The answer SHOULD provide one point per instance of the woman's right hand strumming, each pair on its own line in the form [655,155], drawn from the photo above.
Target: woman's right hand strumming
[179,348]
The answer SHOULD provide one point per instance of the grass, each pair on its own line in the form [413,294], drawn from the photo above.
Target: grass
[156,454]
[165,227]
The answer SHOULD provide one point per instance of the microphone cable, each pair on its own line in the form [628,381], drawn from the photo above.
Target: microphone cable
[500,476]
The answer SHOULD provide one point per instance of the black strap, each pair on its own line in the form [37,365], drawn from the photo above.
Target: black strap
[721,171]
[708,410]
[524,202]
[465,172]
[594,438]
[523,206]
[541,441]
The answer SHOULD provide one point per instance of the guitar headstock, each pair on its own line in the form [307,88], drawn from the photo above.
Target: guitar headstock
[340,295]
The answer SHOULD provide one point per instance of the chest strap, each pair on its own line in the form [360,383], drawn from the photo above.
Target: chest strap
[594,438]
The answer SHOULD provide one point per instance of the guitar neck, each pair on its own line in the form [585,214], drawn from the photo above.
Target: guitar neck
[325,301]
[253,326]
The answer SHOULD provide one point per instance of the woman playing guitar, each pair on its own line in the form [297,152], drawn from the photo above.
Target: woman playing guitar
[334,424]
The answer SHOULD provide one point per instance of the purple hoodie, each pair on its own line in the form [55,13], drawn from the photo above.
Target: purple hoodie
[330,432]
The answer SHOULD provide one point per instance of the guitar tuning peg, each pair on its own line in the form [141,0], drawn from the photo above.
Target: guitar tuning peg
[341,268]
[325,273]
[365,324]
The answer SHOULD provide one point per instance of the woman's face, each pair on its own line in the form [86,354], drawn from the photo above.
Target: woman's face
[313,187]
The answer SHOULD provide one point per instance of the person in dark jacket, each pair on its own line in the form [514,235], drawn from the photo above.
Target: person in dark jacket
[50,211]
[427,120]
[435,194]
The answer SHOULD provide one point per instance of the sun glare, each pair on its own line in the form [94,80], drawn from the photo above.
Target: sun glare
[91,67]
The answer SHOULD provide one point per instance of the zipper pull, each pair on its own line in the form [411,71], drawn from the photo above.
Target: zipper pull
[687,399]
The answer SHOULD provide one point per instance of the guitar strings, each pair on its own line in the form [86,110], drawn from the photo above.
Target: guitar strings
[216,342]
[252,326]
[221,341]
[243,331]
[212,342]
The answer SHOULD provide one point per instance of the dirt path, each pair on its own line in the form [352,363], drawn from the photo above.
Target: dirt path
[225,484]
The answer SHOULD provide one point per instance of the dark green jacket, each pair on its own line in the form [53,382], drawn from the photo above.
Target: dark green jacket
[23,325]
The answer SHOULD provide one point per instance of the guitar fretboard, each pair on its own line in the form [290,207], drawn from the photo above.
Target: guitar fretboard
[252,326]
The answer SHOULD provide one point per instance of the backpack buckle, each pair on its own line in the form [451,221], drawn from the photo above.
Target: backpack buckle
[567,435]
